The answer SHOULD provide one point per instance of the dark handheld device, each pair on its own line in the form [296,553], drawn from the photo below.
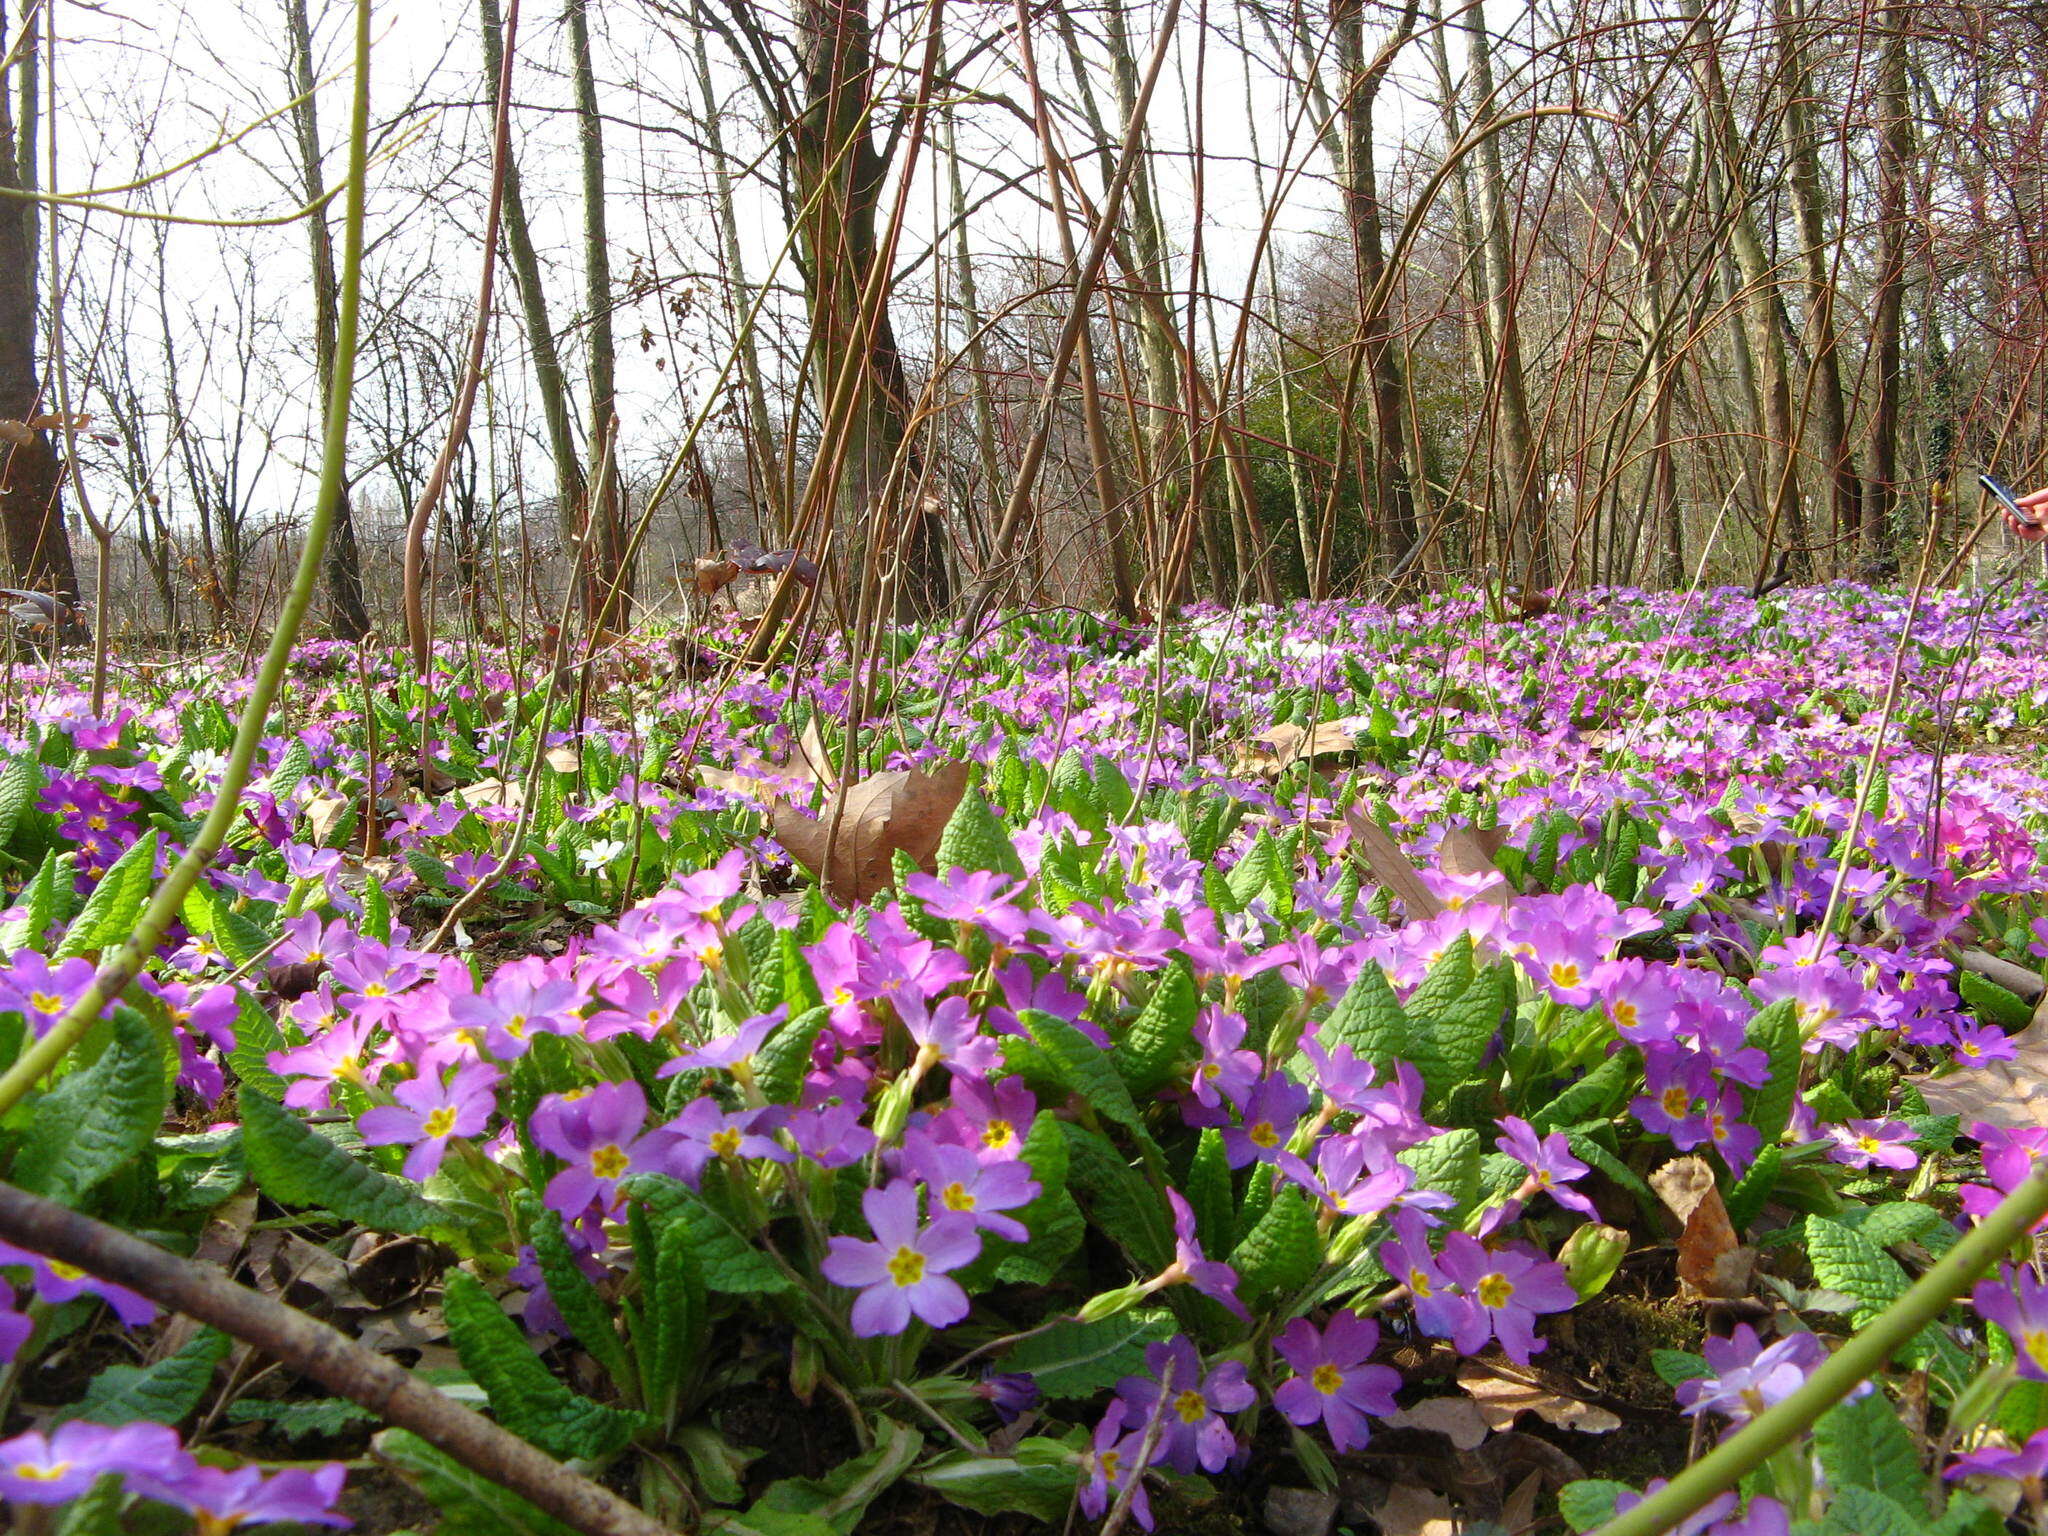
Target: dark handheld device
[2001,493]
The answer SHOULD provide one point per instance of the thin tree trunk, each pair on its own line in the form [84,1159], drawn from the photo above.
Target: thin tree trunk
[1887,325]
[610,573]
[549,382]
[344,560]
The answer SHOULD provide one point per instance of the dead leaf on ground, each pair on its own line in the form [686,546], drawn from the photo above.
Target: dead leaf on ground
[1519,1512]
[323,814]
[1503,1399]
[1413,1511]
[852,843]
[485,792]
[1457,1418]
[1711,1258]
[1390,866]
[562,759]
[1468,852]
[1272,751]
[2012,1093]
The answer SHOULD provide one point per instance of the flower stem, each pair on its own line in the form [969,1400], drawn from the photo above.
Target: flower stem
[1862,1357]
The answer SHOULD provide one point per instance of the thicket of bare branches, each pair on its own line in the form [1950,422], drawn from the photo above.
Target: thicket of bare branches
[1115,303]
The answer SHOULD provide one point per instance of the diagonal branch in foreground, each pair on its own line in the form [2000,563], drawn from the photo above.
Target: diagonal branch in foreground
[326,1355]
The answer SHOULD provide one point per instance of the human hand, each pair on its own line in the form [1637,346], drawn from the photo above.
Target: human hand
[2033,527]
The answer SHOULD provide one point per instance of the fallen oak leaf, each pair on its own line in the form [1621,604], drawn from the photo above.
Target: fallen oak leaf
[1712,1261]
[1390,866]
[1412,1511]
[1279,748]
[851,845]
[2012,1093]
[1502,1399]
[1458,1419]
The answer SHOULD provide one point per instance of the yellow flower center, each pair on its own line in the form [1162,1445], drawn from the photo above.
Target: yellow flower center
[2035,1342]
[1869,1144]
[1110,1461]
[1263,1134]
[1419,1286]
[45,1002]
[608,1162]
[998,1133]
[957,1197]
[36,1473]
[726,1143]
[439,1123]
[1190,1407]
[1326,1379]
[1564,973]
[65,1271]
[1624,1013]
[1495,1290]
[1675,1100]
[907,1267]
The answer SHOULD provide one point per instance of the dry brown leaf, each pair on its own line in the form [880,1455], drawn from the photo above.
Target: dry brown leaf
[18,433]
[1390,866]
[1413,1511]
[562,759]
[1502,1399]
[810,757]
[57,421]
[1285,744]
[1711,1258]
[2012,1093]
[1457,1418]
[710,576]
[853,841]
[323,814]
[1468,851]
[491,792]
[1518,1512]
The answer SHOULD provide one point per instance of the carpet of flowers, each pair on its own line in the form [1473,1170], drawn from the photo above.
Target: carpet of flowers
[1153,1138]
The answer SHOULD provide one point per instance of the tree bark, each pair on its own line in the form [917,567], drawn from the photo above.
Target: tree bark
[344,558]
[1888,308]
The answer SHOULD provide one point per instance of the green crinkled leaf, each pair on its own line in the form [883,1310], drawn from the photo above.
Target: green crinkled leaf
[37,905]
[376,910]
[1209,1194]
[1589,1503]
[20,783]
[1258,871]
[728,1260]
[1774,1031]
[1678,1365]
[1060,1058]
[1163,1031]
[837,1500]
[165,1392]
[1595,1096]
[1906,1221]
[1855,1511]
[976,838]
[110,911]
[784,1058]
[1758,1182]
[1078,1360]
[1037,1480]
[1118,1201]
[1449,1163]
[470,1503]
[98,1119]
[321,1416]
[587,1314]
[673,1307]
[296,1166]
[257,1038]
[1281,1252]
[1864,1444]
[1368,1017]
[524,1394]
[1992,1003]
[1845,1260]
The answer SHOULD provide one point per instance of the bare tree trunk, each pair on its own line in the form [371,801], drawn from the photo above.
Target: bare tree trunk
[766,455]
[1895,151]
[839,176]
[548,378]
[611,575]
[38,548]
[344,559]
[1388,478]
[1526,531]
[1824,378]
